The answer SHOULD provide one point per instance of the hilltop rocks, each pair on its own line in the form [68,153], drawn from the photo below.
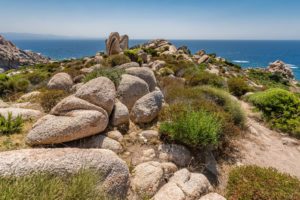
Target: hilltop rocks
[184,185]
[147,108]
[12,57]
[99,91]
[281,68]
[26,114]
[144,73]
[71,126]
[116,44]
[60,81]
[114,172]
[131,89]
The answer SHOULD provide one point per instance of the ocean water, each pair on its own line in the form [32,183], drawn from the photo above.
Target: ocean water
[242,52]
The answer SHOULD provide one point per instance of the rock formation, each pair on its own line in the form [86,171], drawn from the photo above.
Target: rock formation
[13,57]
[115,44]
[281,68]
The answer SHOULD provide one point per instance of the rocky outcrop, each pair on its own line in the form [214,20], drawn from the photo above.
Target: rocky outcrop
[114,173]
[12,57]
[60,81]
[147,108]
[281,68]
[116,44]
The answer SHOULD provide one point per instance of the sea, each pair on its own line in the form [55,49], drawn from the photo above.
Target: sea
[246,53]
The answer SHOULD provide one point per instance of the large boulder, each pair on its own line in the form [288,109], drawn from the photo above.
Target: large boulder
[120,114]
[65,161]
[60,81]
[281,68]
[71,126]
[124,40]
[178,154]
[147,108]
[184,185]
[115,44]
[212,196]
[131,88]
[26,114]
[144,73]
[100,91]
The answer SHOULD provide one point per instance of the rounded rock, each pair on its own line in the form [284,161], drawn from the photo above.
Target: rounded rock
[60,81]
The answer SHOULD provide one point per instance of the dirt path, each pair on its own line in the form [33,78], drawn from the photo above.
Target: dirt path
[267,148]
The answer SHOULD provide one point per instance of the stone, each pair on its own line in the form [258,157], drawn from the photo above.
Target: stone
[124,40]
[3,104]
[281,68]
[203,59]
[113,44]
[147,179]
[26,114]
[147,108]
[76,87]
[60,81]
[177,154]
[212,196]
[97,142]
[157,65]
[100,91]
[144,73]
[72,126]
[150,134]
[71,103]
[128,65]
[115,135]
[185,50]
[185,185]
[120,114]
[65,161]
[30,96]
[131,88]
[78,79]
[290,141]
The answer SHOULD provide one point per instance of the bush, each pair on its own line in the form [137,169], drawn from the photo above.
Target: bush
[238,86]
[112,73]
[281,108]
[115,60]
[9,125]
[252,182]
[193,128]
[36,77]
[49,98]
[45,186]
[268,79]
[12,85]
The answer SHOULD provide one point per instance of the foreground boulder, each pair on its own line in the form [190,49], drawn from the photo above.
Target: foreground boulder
[60,81]
[100,91]
[144,73]
[184,185]
[131,89]
[26,114]
[114,171]
[147,108]
[72,126]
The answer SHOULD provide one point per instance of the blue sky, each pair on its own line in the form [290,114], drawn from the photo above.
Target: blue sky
[141,19]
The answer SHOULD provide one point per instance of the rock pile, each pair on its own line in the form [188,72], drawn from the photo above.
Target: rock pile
[12,57]
[281,68]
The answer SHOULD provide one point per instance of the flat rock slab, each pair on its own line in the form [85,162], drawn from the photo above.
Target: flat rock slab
[114,171]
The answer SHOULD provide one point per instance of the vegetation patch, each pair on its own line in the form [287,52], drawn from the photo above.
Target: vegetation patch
[45,186]
[49,98]
[238,86]
[252,182]
[281,109]
[113,74]
[10,125]
[115,60]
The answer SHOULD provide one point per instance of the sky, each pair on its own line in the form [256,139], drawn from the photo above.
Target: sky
[148,19]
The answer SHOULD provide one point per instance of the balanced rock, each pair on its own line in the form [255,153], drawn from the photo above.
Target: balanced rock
[100,91]
[65,161]
[120,114]
[60,81]
[147,108]
[131,88]
[72,126]
[116,44]
[144,73]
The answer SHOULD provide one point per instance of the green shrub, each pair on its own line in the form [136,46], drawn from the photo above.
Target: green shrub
[36,77]
[193,128]
[49,98]
[45,186]
[252,182]
[268,79]
[281,108]
[11,85]
[112,73]
[9,125]
[238,86]
[115,60]
[132,54]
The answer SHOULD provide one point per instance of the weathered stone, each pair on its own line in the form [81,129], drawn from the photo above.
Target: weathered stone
[131,88]
[100,91]
[212,196]
[114,173]
[60,81]
[149,134]
[178,154]
[72,126]
[157,65]
[120,114]
[203,59]
[281,68]
[115,135]
[113,44]
[144,73]
[128,65]
[29,96]
[124,40]
[147,108]
[26,114]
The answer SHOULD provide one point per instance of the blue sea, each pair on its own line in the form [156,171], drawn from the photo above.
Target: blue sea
[242,52]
